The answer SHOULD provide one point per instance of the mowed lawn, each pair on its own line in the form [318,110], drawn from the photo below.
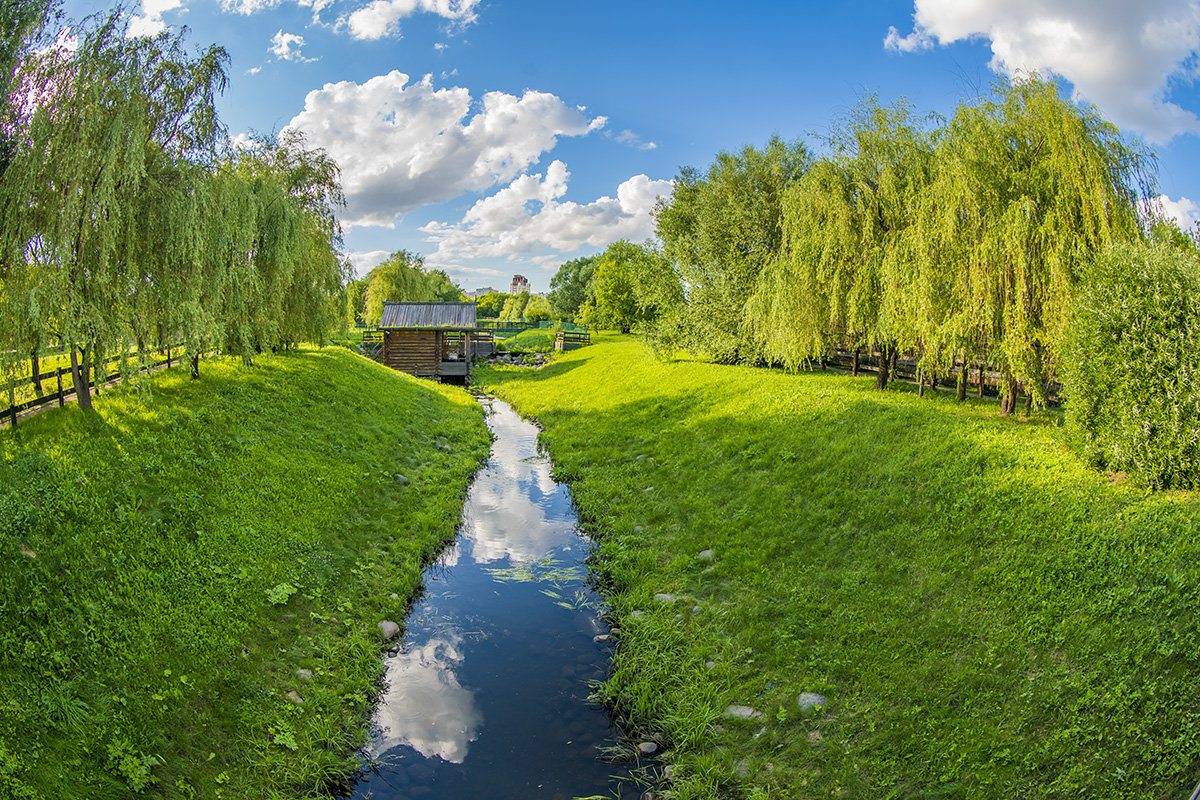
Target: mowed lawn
[192,577]
[985,616]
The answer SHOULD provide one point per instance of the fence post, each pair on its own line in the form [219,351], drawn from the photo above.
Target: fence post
[168,356]
[12,403]
[58,375]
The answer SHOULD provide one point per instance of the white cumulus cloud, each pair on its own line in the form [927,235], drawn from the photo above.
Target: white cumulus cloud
[381,18]
[287,46]
[248,7]
[1119,54]
[150,21]
[365,261]
[402,146]
[1183,211]
[528,220]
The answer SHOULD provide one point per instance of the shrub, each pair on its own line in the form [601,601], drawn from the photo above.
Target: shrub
[1132,368]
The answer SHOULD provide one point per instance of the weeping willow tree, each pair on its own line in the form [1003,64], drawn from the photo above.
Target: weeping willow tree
[402,277]
[718,231]
[842,274]
[1028,188]
[99,120]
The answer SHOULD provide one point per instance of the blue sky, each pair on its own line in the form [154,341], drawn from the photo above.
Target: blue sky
[507,136]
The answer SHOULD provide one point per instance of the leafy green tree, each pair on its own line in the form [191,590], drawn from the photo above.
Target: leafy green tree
[538,309]
[1131,367]
[108,116]
[718,231]
[514,306]
[399,278]
[490,305]
[841,276]
[1028,188]
[569,287]
[356,301]
[614,302]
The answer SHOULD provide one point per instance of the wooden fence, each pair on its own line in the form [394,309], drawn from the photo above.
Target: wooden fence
[983,380]
[571,340]
[59,394]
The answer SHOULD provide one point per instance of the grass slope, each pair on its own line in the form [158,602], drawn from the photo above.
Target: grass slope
[986,616]
[169,562]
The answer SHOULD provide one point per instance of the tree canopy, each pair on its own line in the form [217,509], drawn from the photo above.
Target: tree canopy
[127,217]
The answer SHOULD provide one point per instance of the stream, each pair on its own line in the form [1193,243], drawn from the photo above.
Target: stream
[487,697]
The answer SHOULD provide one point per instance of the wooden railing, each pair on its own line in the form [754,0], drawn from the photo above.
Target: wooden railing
[62,390]
[571,340]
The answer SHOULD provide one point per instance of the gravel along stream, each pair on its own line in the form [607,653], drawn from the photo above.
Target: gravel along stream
[487,697]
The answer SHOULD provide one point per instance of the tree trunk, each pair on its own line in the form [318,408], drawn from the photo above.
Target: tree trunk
[920,382]
[963,377]
[1028,402]
[981,381]
[854,369]
[195,366]
[79,377]
[35,370]
[881,377]
[1008,400]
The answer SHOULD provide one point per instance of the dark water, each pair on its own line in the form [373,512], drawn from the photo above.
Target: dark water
[487,697]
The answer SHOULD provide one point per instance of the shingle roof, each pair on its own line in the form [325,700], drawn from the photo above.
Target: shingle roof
[459,316]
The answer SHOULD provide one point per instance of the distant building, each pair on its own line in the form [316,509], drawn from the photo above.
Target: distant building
[519,284]
[483,292]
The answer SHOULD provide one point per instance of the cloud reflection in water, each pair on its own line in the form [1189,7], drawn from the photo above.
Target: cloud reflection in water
[425,707]
[512,514]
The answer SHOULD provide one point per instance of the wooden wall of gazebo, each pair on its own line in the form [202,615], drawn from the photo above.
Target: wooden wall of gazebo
[429,340]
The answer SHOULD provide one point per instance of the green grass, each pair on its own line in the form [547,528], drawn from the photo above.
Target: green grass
[168,563]
[532,340]
[987,617]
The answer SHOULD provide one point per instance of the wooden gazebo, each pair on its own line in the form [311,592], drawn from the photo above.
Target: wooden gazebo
[429,340]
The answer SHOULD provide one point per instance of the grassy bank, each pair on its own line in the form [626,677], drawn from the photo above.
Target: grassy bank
[168,563]
[984,615]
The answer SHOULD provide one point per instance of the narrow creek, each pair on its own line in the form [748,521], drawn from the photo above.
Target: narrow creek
[487,696]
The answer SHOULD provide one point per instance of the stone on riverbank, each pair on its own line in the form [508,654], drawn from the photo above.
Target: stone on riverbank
[742,712]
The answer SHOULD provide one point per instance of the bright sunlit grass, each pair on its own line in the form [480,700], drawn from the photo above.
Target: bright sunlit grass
[987,617]
[169,562]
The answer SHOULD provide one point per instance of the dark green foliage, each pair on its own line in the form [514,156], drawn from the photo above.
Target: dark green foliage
[167,566]
[490,305]
[1132,375]
[569,287]
[719,229]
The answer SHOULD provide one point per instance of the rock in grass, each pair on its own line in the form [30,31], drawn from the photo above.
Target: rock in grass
[638,529]
[295,698]
[647,748]
[389,629]
[666,598]
[603,638]
[810,700]
[304,674]
[400,479]
[742,712]
[705,555]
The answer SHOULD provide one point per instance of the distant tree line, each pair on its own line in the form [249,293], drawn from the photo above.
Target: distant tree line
[128,219]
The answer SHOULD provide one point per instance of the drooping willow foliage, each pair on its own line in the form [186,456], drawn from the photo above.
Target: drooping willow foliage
[126,218]
[960,241]
[843,273]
